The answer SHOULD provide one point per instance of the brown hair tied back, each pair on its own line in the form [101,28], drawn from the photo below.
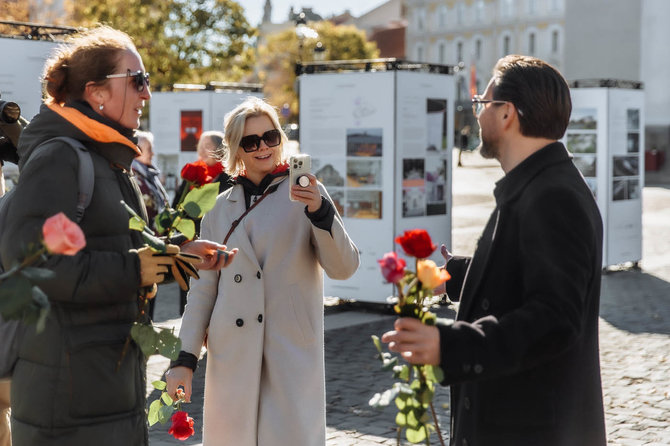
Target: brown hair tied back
[87,56]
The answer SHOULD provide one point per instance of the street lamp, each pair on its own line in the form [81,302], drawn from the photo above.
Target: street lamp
[319,52]
[302,31]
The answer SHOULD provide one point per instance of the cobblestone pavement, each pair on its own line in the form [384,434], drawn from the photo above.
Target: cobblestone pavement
[634,336]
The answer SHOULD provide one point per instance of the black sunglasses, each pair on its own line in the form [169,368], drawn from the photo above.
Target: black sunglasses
[251,143]
[139,78]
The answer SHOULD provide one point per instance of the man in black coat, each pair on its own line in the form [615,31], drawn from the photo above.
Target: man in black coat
[522,357]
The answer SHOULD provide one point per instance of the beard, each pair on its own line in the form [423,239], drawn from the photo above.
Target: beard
[487,148]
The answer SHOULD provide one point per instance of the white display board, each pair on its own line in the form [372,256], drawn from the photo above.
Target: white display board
[177,119]
[21,72]
[380,144]
[606,139]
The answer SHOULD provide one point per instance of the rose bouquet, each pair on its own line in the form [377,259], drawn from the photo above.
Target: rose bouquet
[414,390]
[165,408]
[20,295]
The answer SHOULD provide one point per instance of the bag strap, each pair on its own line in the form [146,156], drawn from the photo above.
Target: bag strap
[86,173]
[267,192]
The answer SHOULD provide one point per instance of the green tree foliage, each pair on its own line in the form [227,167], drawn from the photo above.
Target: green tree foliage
[188,41]
[279,53]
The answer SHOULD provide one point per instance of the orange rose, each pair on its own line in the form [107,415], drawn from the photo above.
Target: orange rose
[430,275]
[62,235]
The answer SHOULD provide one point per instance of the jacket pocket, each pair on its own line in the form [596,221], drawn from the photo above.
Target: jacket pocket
[98,385]
[303,321]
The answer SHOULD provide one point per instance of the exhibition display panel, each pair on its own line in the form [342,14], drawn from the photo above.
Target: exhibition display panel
[381,141]
[606,138]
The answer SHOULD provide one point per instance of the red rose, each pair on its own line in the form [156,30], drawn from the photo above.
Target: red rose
[62,235]
[214,171]
[182,425]
[195,173]
[393,268]
[416,243]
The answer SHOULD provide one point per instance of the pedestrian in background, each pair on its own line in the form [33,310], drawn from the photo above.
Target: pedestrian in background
[522,356]
[265,380]
[210,152]
[5,385]
[147,177]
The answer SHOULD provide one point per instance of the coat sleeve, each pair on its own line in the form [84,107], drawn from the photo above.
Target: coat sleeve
[201,297]
[48,186]
[457,267]
[336,252]
[557,284]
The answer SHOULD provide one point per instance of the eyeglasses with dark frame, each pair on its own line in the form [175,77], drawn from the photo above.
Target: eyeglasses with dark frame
[140,78]
[478,105]
[251,143]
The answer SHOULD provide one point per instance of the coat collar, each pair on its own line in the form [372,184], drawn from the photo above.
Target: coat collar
[511,185]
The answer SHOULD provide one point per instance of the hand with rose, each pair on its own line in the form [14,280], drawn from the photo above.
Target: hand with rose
[310,195]
[176,377]
[416,342]
[214,255]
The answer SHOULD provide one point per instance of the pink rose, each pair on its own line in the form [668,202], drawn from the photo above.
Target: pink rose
[62,235]
[393,268]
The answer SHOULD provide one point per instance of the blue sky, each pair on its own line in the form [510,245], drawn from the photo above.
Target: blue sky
[280,8]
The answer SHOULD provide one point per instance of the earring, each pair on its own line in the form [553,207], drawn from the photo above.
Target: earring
[100,107]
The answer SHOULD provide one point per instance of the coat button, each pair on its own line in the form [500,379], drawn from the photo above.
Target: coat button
[238,278]
[239,322]
[258,274]
[478,369]
[260,318]
[486,304]
[464,442]
[466,403]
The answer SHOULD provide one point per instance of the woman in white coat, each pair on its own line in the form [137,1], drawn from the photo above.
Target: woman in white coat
[263,315]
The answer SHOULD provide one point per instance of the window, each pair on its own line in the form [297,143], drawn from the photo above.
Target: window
[506,45]
[532,7]
[441,56]
[459,52]
[507,8]
[460,13]
[419,52]
[420,19]
[479,10]
[442,17]
[478,49]
[554,42]
[461,90]
[531,44]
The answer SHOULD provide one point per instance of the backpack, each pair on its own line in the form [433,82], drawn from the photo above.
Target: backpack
[11,332]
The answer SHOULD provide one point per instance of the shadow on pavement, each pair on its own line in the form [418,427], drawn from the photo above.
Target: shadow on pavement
[636,301]
[354,375]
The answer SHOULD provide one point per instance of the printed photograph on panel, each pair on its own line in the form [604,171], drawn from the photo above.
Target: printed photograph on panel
[586,165]
[633,145]
[625,166]
[582,142]
[633,189]
[619,190]
[436,124]
[583,118]
[633,118]
[436,186]
[328,171]
[337,195]
[413,172]
[365,204]
[364,172]
[364,142]
[413,202]
[191,128]
[593,185]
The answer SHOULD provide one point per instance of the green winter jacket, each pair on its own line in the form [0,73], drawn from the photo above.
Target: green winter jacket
[67,387]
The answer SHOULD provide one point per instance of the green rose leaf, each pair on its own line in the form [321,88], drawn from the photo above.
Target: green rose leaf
[155,406]
[417,435]
[159,385]
[401,403]
[15,295]
[401,372]
[204,197]
[169,345]
[164,413]
[145,337]
[413,419]
[401,419]
[37,274]
[186,227]
[136,224]
[389,363]
[434,373]
[166,399]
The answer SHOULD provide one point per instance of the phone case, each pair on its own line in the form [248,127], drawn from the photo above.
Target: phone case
[299,165]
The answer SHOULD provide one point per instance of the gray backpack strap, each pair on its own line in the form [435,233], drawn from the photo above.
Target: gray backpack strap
[86,175]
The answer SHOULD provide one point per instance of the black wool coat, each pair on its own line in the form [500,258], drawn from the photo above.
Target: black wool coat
[522,357]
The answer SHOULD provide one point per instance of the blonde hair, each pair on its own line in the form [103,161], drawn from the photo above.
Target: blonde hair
[233,125]
[84,57]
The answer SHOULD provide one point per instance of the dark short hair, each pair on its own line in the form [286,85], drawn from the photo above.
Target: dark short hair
[538,91]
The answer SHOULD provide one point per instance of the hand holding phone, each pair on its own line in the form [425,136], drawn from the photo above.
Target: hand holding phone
[299,167]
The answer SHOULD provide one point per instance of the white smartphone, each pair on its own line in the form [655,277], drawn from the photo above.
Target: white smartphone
[299,165]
